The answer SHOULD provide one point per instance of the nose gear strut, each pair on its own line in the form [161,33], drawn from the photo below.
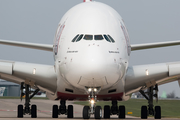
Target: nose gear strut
[93,109]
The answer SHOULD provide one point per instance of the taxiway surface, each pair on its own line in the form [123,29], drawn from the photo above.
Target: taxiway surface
[8,110]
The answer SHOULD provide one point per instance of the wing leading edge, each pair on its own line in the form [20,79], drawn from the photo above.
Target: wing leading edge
[45,47]
[48,47]
[144,76]
[36,75]
[154,45]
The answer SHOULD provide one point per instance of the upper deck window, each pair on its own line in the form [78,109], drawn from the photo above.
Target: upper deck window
[88,37]
[79,38]
[75,38]
[98,37]
[111,38]
[106,37]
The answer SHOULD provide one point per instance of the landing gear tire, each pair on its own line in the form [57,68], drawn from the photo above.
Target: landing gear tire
[86,112]
[122,112]
[29,94]
[144,112]
[98,112]
[157,112]
[20,111]
[55,111]
[33,111]
[70,111]
[106,111]
[149,94]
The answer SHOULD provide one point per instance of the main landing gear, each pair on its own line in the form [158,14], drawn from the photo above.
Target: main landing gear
[27,110]
[97,110]
[146,111]
[62,110]
[114,110]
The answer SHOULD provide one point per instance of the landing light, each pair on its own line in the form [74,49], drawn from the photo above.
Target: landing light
[92,101]
[147,72]
[34,71]
[95,89]
[89,89]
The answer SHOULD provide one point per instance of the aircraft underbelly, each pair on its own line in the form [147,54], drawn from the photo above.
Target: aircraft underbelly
[103,76]
[105,97]
[68,92]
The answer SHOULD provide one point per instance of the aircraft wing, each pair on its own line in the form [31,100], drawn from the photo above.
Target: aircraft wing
[154,45]
[144,76]
[36,75]
[45,47]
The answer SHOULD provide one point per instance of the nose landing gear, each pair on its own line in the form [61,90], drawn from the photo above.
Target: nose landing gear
[93,109]
[146,111]
[97,110]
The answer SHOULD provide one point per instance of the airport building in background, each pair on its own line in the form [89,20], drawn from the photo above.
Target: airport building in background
[9,88]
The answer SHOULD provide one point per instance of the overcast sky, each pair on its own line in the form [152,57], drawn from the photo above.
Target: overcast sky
[36,21]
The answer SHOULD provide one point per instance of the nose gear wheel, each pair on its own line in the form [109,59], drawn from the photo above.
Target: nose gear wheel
[97,110]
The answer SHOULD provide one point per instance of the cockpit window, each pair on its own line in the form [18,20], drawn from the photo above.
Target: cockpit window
[106,37]
[75,38]
[111,38]
[79,38]
[88,37]
[98,37]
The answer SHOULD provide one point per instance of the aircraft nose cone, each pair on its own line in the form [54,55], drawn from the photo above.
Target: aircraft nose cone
[93,62]
[93,72]
[92,67]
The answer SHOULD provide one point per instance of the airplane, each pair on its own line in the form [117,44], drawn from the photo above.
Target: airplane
[91,62]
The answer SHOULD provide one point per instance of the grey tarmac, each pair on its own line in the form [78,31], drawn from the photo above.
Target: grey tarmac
[8,110]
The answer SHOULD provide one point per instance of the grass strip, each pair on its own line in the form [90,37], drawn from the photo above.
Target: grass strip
[169,108]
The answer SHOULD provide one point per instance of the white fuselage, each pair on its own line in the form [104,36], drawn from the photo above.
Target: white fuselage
[91,63]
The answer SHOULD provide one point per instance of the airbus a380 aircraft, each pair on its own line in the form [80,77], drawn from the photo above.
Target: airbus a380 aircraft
[91,52]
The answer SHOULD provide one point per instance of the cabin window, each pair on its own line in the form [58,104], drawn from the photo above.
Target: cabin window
[98,37]
[79,38]
[75,38]
[111,38]
[88,37]
[106,37]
